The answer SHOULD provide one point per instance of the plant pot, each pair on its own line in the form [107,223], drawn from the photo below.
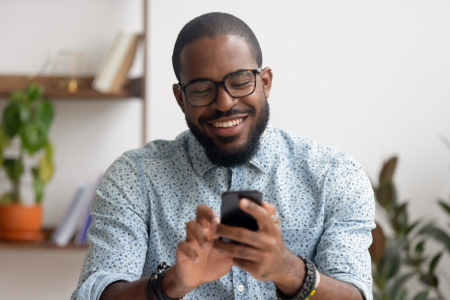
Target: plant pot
[21,222]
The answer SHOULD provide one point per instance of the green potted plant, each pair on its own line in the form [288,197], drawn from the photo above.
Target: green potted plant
[402,256]
[27,118]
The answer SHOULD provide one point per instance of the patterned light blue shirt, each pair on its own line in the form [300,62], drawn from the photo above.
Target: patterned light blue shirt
[147,196]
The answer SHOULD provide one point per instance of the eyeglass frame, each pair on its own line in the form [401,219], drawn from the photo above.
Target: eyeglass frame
[217,84]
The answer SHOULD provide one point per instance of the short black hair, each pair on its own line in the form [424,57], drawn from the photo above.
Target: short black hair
[211,25]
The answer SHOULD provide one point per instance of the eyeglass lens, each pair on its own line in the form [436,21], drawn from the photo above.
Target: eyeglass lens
[238,85]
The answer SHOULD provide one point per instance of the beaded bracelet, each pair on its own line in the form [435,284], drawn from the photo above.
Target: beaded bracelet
[315,285]
[309,285]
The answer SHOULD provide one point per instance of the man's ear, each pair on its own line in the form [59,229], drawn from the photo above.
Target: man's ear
[266,78]
[178,95]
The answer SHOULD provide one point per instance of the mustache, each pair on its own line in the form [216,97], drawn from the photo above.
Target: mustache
[232,112]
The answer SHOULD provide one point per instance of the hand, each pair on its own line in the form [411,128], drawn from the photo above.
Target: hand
[266,257]
[197,261]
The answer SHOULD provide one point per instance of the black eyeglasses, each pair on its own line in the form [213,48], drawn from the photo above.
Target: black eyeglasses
[204,92]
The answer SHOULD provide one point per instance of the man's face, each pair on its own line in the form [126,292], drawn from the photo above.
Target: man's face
[214,59]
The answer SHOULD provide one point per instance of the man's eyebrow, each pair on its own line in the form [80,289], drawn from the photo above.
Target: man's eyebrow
[200,79]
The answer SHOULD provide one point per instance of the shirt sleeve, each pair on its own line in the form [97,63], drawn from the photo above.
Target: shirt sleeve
[119,230]
[342,251]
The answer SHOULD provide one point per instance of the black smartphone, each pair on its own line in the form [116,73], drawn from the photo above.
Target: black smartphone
[232,215]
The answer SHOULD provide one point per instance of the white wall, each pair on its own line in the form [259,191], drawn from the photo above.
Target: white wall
[370,78]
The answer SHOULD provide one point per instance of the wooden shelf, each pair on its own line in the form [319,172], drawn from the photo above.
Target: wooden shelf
[10,83]
[45,244]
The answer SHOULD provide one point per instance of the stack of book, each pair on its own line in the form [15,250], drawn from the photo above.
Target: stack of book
[77,218]
[113,72]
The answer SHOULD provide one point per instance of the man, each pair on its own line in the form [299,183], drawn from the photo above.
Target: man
[160,203]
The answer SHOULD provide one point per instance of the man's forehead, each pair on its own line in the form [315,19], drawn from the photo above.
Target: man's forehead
[216,57]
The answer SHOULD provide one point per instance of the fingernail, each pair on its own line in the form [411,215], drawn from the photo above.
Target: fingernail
[245,202]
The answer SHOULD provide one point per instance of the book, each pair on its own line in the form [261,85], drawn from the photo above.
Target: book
[86,219]
[99,78]
[114,69]
[122,74]
[68,226]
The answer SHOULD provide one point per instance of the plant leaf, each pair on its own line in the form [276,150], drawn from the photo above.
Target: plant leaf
[18,97]
[391,252]
[401,295]
[34,136]
[45,112]
[13,116]
[430,280]
[400,218]
[387,172]
[38,186]
[419,247]
[14,169]
[378,246]
[421,296]
[412,226]
[394,267]
[441,236]
[433,263]
[385,194]
[46,168]
[426,228]
[49,150]
[34,91]
[400,282]
[445,206]
[5,140]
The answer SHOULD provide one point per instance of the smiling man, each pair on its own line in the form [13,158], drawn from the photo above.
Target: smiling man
[159,205]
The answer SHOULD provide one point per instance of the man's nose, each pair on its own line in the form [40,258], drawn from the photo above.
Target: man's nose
[224,101]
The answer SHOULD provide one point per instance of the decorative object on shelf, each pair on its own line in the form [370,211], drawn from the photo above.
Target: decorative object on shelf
[27,118]
[71,70]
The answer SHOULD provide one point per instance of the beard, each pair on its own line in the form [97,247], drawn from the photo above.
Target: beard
[241,154]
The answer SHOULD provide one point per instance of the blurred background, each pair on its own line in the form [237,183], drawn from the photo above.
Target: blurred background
[370,78]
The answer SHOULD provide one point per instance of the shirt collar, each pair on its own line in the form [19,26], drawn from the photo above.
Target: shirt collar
[262,159]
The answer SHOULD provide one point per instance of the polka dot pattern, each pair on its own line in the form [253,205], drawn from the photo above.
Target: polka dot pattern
[147,196]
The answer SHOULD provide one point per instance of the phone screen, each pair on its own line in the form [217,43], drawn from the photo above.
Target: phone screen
[232,215]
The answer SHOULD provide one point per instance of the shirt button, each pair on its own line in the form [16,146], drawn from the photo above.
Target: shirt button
[240,288]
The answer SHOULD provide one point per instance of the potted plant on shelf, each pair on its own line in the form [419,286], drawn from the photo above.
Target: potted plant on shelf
[27,118]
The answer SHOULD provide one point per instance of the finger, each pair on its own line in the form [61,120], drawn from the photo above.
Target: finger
[239,234]
[246,265]
[258,212]
[185,251]
[238,251]
[206,215]
[272,210]
[195,232]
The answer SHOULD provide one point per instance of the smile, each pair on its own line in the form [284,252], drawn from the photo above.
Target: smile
[229,123]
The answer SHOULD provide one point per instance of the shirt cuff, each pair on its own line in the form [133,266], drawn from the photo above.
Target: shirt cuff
[367,295]
[95,284]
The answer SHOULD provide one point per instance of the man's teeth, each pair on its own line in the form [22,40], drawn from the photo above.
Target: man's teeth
[228,123]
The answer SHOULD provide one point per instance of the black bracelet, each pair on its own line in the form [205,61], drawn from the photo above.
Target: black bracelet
[307,286]
[154,283]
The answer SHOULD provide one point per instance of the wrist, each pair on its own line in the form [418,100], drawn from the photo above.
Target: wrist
[172,286]
[293,276]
